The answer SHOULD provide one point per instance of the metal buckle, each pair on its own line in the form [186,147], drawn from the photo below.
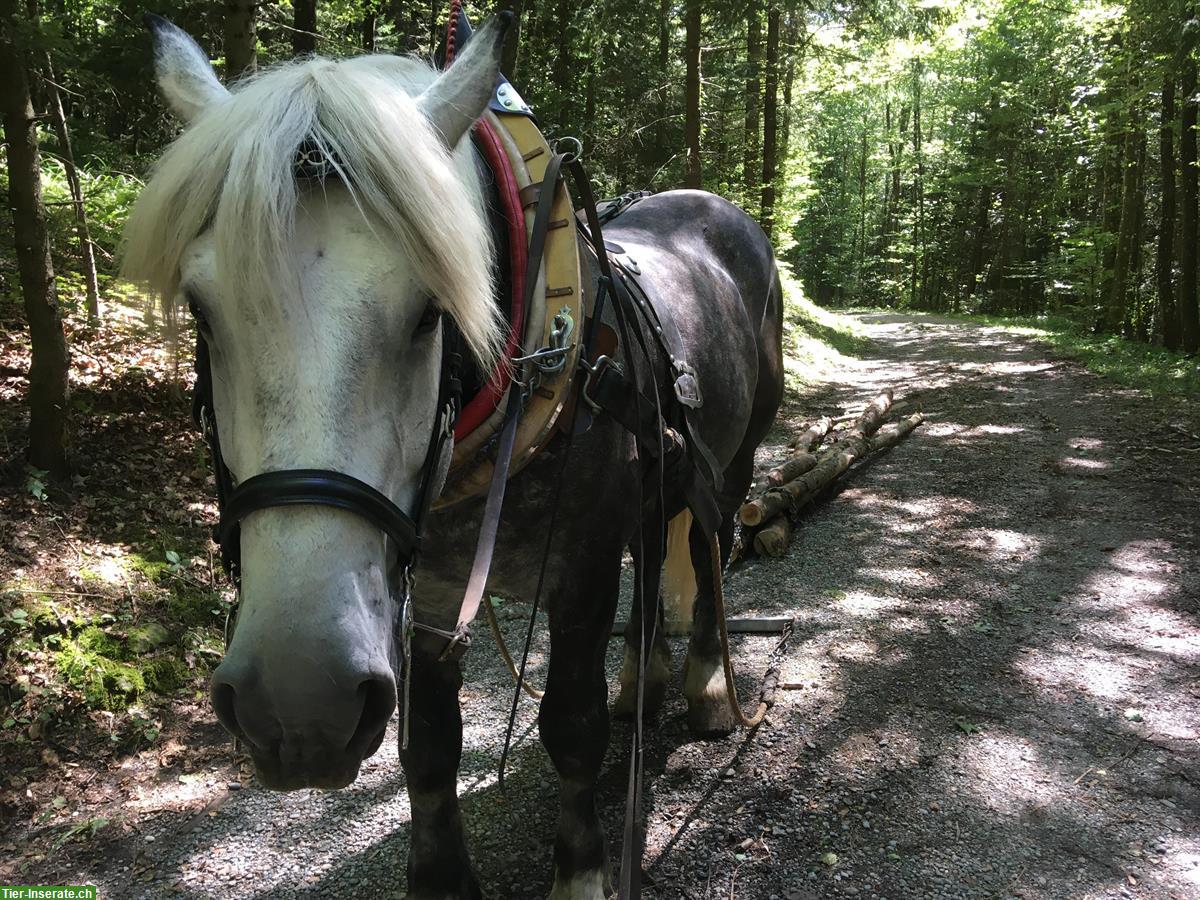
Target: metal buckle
[594,373]
[687,388]
[552,359]
[460,638]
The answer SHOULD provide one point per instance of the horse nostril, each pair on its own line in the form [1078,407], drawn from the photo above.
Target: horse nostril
[379,699]
[224,699]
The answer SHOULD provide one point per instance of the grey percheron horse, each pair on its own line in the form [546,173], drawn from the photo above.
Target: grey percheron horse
[316,302]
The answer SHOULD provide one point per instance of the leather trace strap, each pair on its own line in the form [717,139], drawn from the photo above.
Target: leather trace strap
[316,487]
[489,528]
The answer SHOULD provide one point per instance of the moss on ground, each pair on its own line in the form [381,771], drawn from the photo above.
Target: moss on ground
[110,674]
[193,606]
[152,569]
[87,664]
[166,674]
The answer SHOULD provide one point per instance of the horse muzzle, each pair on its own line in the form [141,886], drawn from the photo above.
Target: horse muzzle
[310,732]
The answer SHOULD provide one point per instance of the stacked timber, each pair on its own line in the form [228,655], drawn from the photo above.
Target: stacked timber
[812,468]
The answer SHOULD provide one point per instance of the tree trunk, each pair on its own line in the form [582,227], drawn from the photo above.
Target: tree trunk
[87,256]
[770,121]
[1189,313]
[862,210]
[406,23]
[589,98]
[512,44]
[662,149]
[304,23]
[1139,315]
[1168,315]
[983,210]
[792,53]
[1118,307]
[1112,165]
[48,386]
[561,76]
[752,164]
[691,124]
[241,38]
[919,249]
[895,156]
[367,28]
[885,217]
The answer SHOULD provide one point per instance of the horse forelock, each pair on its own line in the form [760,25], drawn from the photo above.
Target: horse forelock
[234,170]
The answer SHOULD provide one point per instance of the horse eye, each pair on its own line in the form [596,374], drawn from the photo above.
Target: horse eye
[429,319]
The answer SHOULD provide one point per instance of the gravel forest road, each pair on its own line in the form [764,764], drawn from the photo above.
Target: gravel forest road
[992,688]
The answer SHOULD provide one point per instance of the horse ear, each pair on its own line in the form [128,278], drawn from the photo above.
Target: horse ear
[460,94]
[182,70]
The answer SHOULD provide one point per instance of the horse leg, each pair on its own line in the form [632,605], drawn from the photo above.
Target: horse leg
[438,863]
[573,720]
[704,685]
[645,618]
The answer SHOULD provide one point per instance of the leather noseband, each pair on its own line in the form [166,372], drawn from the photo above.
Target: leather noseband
[316,487]
[327,487]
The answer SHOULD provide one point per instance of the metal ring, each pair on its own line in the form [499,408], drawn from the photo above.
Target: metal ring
[569,156]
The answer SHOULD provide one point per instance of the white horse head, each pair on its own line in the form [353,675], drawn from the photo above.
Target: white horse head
[319,299]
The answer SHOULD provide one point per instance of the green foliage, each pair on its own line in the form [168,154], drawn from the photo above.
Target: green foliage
[166,674]
[112,670]
[1161,373]
[816,340]
[88,665]
[970,156]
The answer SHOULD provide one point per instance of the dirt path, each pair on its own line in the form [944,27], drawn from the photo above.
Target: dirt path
[998,695]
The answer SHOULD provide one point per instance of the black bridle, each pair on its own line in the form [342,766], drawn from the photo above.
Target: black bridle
[327,487]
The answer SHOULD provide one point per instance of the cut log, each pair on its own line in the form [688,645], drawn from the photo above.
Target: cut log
[772,539]
[872,417]
[894,432]
[799,463]
[904,408]
[802,459]
[812,435]
[834,460]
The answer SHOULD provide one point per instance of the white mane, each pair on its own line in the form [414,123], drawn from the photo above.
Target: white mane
[232,171]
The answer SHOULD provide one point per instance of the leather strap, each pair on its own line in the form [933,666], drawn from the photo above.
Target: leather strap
[669,339]
[486,544]
[633,838]
[316,487]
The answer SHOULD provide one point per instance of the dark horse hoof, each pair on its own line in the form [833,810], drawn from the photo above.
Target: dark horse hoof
[710,721]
